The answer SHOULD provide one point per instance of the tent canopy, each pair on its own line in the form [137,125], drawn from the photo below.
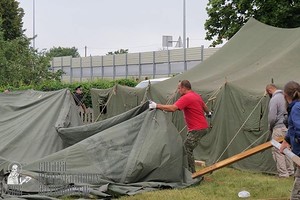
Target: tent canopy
[232,82]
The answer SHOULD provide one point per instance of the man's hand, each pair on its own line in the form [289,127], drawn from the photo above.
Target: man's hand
[284,145]
[152,105]
[209,114]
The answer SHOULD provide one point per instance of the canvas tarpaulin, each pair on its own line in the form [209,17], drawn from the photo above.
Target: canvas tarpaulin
[29,121]
[232,82]
[73,135]
[142,153]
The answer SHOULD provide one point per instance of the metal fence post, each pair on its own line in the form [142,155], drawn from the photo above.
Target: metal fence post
[114,67]
[126,65]
[169,63]
[61,65]
[71,70]
[91,67]
[202,53]
[154,65]
[80,69]
[140,66]
[102,67]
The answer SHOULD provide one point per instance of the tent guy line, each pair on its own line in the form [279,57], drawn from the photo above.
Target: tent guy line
[238,131]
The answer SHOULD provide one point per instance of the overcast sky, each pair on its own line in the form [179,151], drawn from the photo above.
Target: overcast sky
[110,25]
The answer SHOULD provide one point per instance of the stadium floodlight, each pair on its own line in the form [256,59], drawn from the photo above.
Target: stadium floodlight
[167,41]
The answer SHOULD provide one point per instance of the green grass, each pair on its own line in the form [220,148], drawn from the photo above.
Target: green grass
[224,184]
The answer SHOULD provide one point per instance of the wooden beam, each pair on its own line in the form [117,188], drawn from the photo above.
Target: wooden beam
[234,158]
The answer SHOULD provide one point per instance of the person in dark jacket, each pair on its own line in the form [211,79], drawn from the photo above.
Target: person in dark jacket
[79,97]
[292,138]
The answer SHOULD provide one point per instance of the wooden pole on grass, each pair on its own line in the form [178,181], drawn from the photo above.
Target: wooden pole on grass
[234,158]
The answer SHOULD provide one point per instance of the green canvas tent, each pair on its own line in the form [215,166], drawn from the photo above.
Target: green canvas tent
[232,82]
[29,121]
[55,155]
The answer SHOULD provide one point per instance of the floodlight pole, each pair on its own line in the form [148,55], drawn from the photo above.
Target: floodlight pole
[33,25]
[184,38]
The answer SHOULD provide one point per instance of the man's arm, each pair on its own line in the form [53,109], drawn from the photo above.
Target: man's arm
[169,108]
[205,108]
[272,114]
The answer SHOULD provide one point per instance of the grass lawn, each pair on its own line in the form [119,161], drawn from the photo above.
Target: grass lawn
[224,184]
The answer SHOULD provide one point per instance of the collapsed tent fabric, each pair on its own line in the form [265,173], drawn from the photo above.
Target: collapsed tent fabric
[142,153]
[232,82]
[76,134]
[29,121]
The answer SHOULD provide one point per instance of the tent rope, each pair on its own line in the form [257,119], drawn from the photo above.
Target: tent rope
[240,129]
[182,129]
[256,140]
[214,95]
[79,102]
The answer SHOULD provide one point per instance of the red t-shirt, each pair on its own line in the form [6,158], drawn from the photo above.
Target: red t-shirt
[192,106]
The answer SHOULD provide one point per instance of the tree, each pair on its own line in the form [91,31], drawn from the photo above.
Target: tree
[22,65]
[11,19]
[62,51]
[226,17]
[19,63]
[120,51]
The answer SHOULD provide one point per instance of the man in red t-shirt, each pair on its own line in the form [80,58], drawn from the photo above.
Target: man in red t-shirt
[193,108]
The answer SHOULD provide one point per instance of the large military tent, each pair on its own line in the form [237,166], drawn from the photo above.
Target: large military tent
[232,82]
[55,155]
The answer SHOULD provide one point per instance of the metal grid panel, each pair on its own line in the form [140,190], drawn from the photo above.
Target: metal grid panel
[133,59]
[193,54]
[66,61]
[176,55]
[97,61]
[56,62]
[161,56]
[76,62]
[147,57]
[86,62]
[120,59]
[208,52]
[108,60]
